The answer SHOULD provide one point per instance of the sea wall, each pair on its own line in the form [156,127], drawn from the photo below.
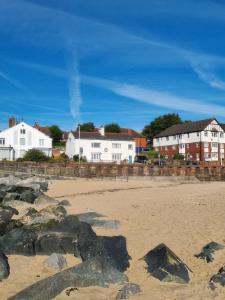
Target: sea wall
[88,170]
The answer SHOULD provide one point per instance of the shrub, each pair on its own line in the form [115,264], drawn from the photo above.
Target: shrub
[178,156]
[82,158]
[35,155]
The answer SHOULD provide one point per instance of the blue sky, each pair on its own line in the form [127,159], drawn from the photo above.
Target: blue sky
[65,62]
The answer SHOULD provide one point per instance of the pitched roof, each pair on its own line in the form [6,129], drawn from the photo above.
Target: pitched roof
[42,129]
[222,126]
[131,132]
[97,136]
[185,128]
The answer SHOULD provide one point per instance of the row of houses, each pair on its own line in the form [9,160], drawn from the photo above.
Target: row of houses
[197,141]
[97,146]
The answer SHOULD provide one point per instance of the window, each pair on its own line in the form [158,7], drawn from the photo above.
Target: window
[214,155]
[174,147]
[187,145]
[116,145]
[96,156]
[130,147]
[167,138]
[206,133]
[41,142]
[188,135]
[95,145]
[214,145]
[221,134]
[206,155]
[116,156]
[157,139]
[197,133]
[2,141]
[181,146]
[81,150]
[206,145]
[214,134]
[22,141]
[22,131]
[197,145]
[174,137]
[180,136]
[166,148]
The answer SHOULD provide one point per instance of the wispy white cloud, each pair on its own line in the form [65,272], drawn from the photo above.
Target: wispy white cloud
[12,81]
[74,89]
[156,98]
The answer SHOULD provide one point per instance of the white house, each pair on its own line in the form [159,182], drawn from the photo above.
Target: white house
[202,140]
[16,140]
[99,146]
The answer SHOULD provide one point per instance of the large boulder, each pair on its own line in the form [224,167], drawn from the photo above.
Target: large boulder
[164,265]
[93,272]
[218,278]
[56,261]
[208,251]
[6,213]
[28,196]
[18,241]
[4,266]
[52,242]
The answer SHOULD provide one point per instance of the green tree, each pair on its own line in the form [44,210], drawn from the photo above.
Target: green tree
[88,127]
[55,133]
[113,127]
[161,123]
[35,155]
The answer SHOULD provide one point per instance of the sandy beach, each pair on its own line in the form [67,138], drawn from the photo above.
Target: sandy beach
[183,216]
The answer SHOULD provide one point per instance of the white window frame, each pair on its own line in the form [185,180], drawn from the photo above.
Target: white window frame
[22,143]
[96,145]
[2,141]
[116,145]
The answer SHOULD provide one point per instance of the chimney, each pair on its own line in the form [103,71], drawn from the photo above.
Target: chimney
[12,122]
[102,130]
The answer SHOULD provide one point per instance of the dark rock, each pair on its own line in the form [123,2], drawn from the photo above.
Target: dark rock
[56,261]
[64,203]
[6,213]
[90,273]
[28,196]
[164,265]
[59,242]
[127,290]
[208,251]
[4,266]
[2,195]
[11,197]
[18,189]
[18,241]
[218,278]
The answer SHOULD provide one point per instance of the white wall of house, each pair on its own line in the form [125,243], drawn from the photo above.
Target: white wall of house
[101,150]
[207,136]
[16,140]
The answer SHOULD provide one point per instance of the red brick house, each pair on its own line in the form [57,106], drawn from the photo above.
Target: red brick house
[198,141]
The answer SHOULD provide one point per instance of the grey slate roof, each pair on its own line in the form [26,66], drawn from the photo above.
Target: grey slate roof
[98,136]
[185,128]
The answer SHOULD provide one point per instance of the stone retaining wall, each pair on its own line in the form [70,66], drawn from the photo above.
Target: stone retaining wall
[89,170]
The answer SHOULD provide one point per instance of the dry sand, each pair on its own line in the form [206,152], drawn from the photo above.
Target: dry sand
[183,216]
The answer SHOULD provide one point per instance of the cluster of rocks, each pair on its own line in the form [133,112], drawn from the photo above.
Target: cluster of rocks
[51,231]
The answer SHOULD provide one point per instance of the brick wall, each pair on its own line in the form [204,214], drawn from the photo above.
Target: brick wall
[112,170]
